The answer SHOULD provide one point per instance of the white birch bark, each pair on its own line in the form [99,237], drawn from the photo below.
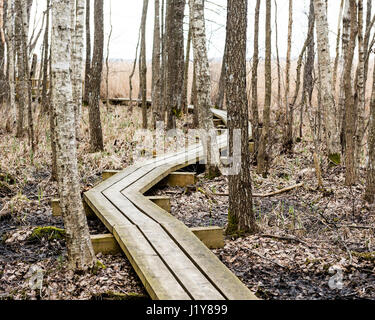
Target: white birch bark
[328,103]
[78,18]
[203,83]
[11,55]
[80,251]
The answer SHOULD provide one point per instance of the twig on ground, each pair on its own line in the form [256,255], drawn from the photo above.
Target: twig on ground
[256,195]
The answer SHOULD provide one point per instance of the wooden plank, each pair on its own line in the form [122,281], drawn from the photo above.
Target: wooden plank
[161,201]
[227,283]
[157,279]
[212,237]
[56,209]
[180,265]
[105,244]
[109,173]
[181,179]
[105,211]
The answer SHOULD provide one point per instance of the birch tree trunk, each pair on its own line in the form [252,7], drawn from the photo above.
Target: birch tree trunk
[156,68]
[254,79]
[263,157]
[45,61]
[221,89]
[370,174]
[77,61]
[328,103]
[344,48]
[308,85]
[96,133]
[241,218]
[143,66]
[88,53]
[351,109]
[80,252]
[10,35]
[186,71]
[288,133]
[203,83]
[338,38]
[359,99]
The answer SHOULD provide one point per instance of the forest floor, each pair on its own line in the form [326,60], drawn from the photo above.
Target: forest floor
[313,244]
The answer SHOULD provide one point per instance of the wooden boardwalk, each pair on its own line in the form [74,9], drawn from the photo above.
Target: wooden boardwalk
[172,263]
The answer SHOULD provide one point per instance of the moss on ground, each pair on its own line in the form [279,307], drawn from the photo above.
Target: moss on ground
[49,233]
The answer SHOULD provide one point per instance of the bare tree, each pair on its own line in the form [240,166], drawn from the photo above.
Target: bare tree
[350,107]
[156,68]
[254,79]
[88,53]
[289,116]
[175,60]
[328,103]
[96,133]
[143,65]
[77,60]
[241,218]
[80,252]
[263,156]
[203,87]
[370,175]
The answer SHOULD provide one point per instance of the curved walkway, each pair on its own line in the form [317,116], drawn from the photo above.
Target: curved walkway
[172,263]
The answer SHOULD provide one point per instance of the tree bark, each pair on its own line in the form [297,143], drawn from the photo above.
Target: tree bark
[241,218]
[328,103]
[203,87]
[156,68]
[96,133]
[289,112]
[143,66]
[80,252]
[254,79]
[175,60]
[263,157]
[88,54]
[77,61]
[350,107]
[370,176]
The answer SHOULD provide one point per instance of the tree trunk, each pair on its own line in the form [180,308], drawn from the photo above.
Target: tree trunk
[289,113]
[96,134]
[221,89]
[10,35]
[175,60]
[143,66]
[88,54]
[186,71]
[338,38]
[203,83]
[345,43]
[241,218]
[370,176]
[328,102]
[156,68]
[359,99]
[263,156]
[80,252]
[350,107]
[308,85]
[77,62]
[254,79]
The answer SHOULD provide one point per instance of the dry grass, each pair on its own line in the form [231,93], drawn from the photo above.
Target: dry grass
[120,71]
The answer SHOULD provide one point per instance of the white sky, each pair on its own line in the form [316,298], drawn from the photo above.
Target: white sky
[126,19]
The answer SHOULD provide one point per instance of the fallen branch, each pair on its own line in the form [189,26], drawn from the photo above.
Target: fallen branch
[284,238]
[256,195]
